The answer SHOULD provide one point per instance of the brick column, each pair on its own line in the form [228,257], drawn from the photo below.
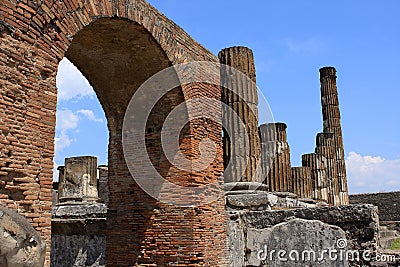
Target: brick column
[244,103]
[331,117]
[275,157]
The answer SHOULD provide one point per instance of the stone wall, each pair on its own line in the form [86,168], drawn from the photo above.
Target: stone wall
[254,234]
[387,203]
[83,250]
[79,235]
[78,223]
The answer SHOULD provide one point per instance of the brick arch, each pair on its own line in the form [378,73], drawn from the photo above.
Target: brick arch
[117,56]
[34,37]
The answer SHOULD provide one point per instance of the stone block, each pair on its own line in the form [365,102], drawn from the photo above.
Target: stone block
[79,180]
[20,244]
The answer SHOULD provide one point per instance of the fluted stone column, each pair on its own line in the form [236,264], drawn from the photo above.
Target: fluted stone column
[302,182]
[275,157]
[244,103]
[268,139]
[331,117]
[79,180]
[318,165]
[325,147]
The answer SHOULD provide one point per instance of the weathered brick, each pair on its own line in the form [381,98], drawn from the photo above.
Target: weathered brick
[30,49]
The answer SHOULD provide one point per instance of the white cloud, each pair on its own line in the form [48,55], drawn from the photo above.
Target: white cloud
[71,83]
[372,174]
[69,120]
[62,141]
[89,114]
[72,87]
[66,119]
[310,45]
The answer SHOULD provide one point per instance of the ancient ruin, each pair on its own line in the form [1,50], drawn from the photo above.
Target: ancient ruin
[99,215]
[327,166]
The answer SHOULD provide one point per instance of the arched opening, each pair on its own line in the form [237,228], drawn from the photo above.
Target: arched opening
[116,46]
[117,56]
[81,126]
[81,139]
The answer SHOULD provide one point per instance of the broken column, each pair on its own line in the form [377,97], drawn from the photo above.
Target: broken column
[60,170]
[103,184]
[302,182]
[325,147]
[78,226]
[78,181]
[244,103]
[331,117]
[318,166]
[267,134]
[275,157]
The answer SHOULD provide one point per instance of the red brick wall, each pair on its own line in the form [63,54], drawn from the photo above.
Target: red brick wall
[27,122]
[34,38]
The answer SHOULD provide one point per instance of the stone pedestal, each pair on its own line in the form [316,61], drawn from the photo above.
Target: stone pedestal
[253,196]
[248,196]
[78,180]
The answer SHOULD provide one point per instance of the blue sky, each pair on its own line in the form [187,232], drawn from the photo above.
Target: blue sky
[291,40]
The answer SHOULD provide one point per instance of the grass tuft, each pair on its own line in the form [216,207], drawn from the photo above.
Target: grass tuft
[395,245]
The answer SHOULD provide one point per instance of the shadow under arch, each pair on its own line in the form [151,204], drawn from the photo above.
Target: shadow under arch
[116,56]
